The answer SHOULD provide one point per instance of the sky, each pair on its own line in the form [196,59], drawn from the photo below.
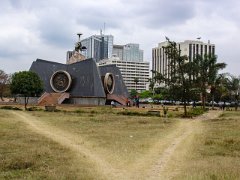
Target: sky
[46,29]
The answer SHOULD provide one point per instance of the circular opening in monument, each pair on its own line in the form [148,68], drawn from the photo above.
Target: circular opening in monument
[109,83]
[60,81]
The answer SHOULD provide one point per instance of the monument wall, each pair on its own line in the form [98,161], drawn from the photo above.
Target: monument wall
[83,80]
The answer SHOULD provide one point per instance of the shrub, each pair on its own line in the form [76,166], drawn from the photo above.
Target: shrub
[194,112]
[134,113]
[129,113]
[197,111]
[10,108]
[34,109]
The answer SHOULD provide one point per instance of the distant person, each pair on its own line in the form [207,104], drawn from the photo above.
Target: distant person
[127,102]
[194,104]
[223,106]
[165,110]
[113,104]
[236,106]
[137,101]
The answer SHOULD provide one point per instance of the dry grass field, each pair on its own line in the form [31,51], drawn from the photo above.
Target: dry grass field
[103,143]
[213,152]
[25,154]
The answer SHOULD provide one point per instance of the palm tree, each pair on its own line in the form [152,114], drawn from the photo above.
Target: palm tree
[206,73]
[151,85]
[218,87]
[136,80]
[233,85]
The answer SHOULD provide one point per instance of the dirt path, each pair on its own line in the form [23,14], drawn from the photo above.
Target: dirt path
[158,168]
[73,143]
[189,127]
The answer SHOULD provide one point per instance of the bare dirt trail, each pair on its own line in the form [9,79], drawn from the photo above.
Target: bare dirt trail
[160,169]
[73,143]
[158,166]
[157,169]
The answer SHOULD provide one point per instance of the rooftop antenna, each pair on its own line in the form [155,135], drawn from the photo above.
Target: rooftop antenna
[79,35]
[104,28]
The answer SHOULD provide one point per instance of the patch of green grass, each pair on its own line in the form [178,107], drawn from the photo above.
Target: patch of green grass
[193,112]
[34,108]
[131,113]
[136,113]
[197,111]
[95,110]
[79,111]
[10,108]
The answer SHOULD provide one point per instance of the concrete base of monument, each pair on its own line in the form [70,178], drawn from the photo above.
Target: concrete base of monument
[96,101]
[31,100]
[50,108]
[92,101]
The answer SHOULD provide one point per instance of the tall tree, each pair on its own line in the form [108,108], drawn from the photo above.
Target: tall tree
[3,82]
[27,84]
[151,84]
[158,77]
[179,72]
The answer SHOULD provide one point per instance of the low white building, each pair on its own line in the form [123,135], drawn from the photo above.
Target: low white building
[131,70]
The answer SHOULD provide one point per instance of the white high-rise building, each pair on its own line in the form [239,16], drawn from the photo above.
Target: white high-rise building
[190,48]
[131,70]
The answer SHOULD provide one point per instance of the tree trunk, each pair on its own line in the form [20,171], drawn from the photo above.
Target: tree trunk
[204,97]
[236,102]
[212,101]
[184,103]
[185,108]
[1,94]
[25,102]
[204,101]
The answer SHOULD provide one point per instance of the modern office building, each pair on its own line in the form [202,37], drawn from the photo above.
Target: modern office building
[130,70]
[128,52]
[98,47]
[190,48]
[128,58]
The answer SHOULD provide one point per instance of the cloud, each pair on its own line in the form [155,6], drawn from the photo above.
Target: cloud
[54,30]
[47,28]
[17,36]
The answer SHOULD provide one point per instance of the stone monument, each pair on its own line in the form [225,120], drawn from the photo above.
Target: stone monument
[76,53]
[80,82]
